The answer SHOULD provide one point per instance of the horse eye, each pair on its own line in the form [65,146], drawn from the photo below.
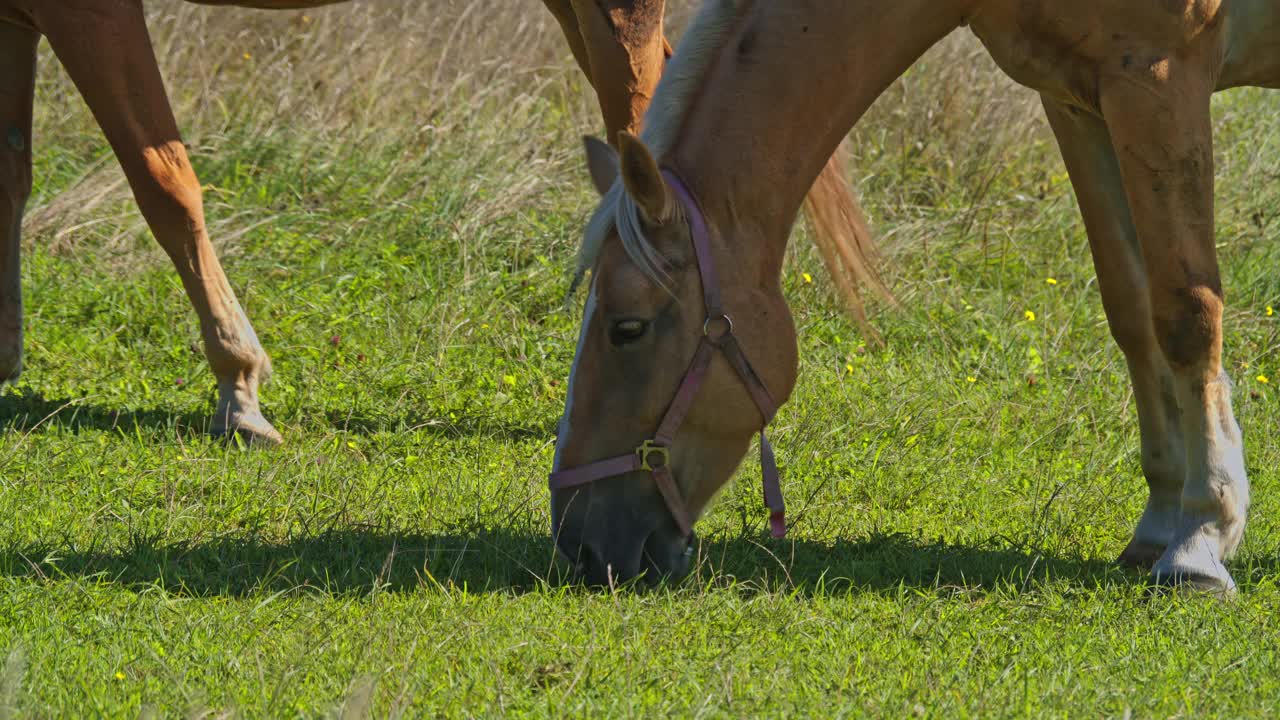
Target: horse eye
[628,331]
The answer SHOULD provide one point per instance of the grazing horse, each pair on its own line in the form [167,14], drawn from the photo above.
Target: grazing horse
[105,48]
[696,213]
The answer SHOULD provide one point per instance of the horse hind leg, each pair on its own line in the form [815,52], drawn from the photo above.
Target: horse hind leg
[17,83]
[121,83]
[1163,132]
[1122,278]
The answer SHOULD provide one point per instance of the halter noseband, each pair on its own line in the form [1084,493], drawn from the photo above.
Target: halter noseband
[654,455]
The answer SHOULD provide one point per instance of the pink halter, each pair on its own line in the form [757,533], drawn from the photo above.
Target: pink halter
[654,455]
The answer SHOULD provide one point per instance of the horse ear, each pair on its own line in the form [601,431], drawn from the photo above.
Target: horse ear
[602,163]
[643,180]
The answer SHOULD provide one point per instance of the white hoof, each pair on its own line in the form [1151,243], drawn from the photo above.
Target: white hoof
[252,428]
[1193,564]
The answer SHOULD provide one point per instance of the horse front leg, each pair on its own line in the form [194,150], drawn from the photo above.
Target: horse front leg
[564,14]
[107,53]
[17,86]
[1122,279]
[620,46]
[1158,115]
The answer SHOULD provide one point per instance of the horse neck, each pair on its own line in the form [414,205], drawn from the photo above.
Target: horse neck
[784,90]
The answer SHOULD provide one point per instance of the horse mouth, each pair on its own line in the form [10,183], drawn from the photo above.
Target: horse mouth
[658,563]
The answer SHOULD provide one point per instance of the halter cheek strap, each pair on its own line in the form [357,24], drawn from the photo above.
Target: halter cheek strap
[654,455]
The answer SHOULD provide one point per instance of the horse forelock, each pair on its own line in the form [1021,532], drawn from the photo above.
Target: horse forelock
[619,213]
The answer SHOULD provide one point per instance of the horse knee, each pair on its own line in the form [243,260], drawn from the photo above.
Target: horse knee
[1188,324]
[15,174]
[168,192]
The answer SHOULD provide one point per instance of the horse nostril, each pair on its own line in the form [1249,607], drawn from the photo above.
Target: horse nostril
[668,558]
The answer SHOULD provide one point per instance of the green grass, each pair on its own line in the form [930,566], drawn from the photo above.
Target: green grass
[951,543]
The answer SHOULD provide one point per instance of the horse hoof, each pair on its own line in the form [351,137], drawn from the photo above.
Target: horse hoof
[1140,555]
[252,430]
[1219,586]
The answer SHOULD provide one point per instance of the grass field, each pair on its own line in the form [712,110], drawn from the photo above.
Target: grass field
[397,195]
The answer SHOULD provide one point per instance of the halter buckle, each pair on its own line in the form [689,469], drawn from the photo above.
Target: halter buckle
[649,447]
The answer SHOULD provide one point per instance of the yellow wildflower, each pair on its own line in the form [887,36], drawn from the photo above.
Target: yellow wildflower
[247,56]
[1270,311]
[848,367]
[1030,316]
[808,279]
[119,675]
[1051,281]
[1263,379]
[971,379]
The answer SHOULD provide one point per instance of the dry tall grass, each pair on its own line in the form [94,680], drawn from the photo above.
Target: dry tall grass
[489,84]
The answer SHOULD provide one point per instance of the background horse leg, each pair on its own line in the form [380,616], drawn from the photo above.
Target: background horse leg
[620,46]
[568,19]
[1122,279]
[107,52]
[17,87]
[1159,120]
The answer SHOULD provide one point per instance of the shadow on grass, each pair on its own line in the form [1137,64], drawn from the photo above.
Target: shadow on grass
[28,411]
[465,426]
[357,561]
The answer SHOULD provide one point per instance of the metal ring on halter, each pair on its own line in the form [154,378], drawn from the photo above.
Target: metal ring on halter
[706,326]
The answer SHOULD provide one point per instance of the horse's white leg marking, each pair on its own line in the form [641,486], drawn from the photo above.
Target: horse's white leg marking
[1163,457]
[17,82]
[1122,279]
[1158,116]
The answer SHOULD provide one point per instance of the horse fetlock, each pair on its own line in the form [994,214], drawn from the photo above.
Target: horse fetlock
[240,361]
[1154,532]
[241,369]
[238,413]
[1225,509]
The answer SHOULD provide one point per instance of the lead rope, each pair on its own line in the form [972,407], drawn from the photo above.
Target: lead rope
[770,476]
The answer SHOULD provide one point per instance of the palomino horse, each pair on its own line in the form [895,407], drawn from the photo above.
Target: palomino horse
[694,231]
[106,50]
